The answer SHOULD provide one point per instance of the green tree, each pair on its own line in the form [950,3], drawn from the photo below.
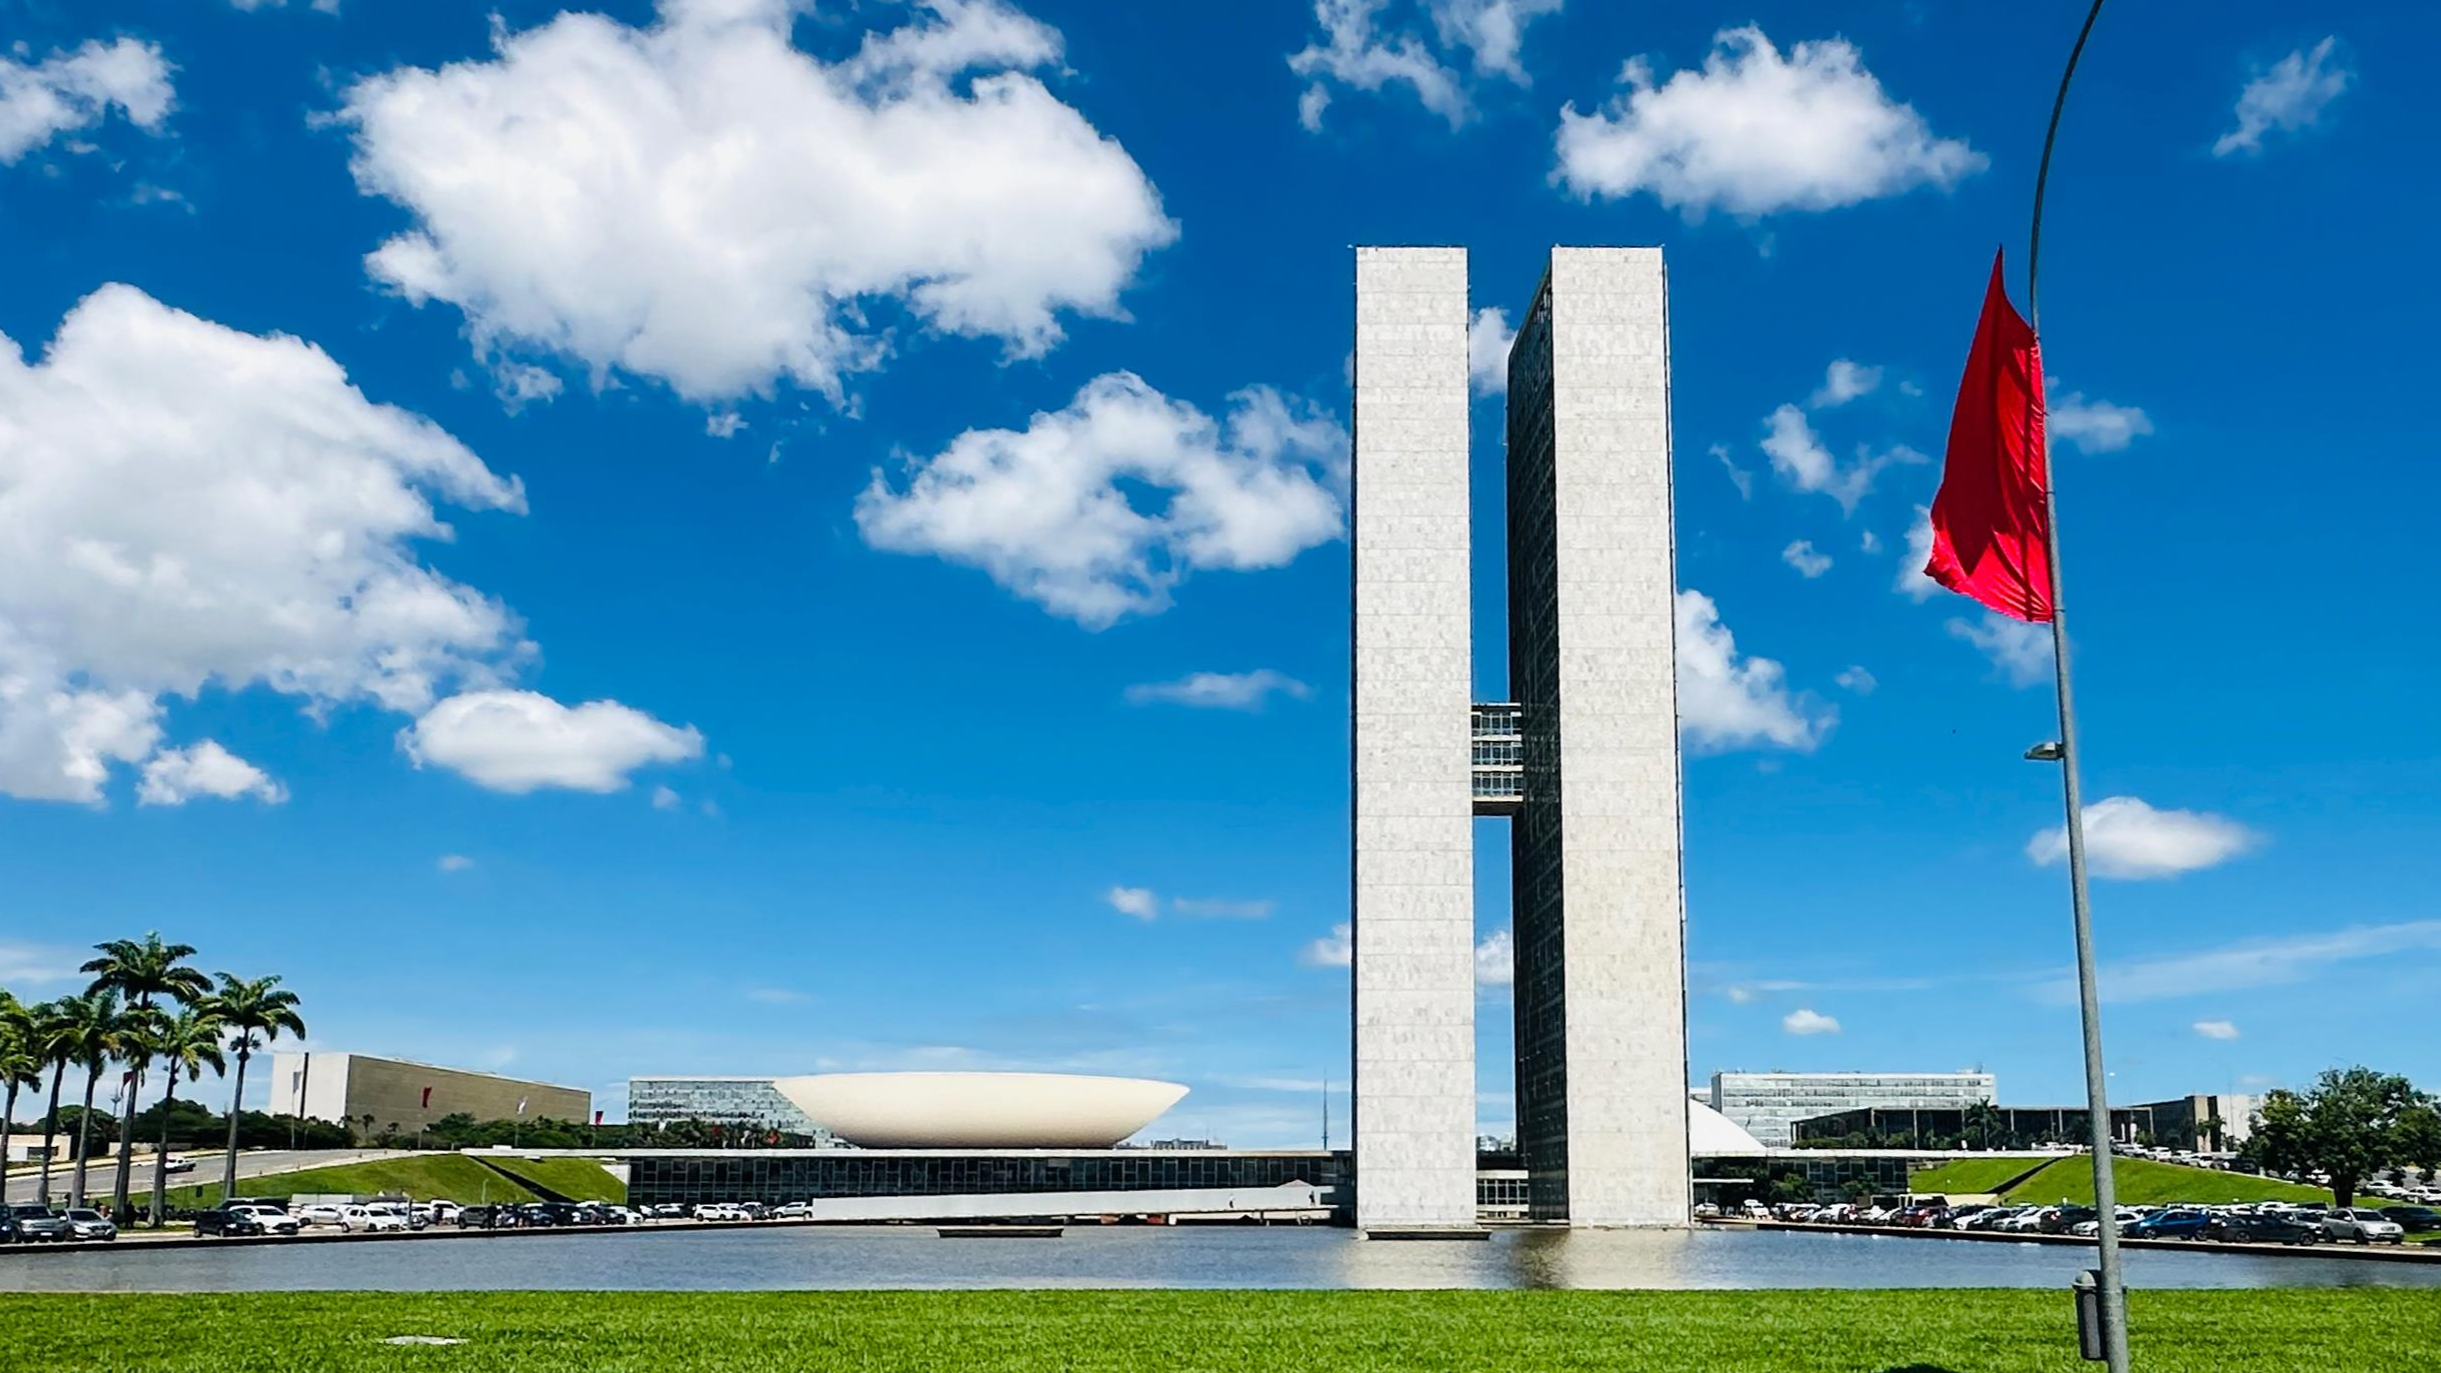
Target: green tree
[20,1064]
[2416,1136]
[247,1009]
[54,1047]
[2348,1125]
[1984,1126]
[146,972]
[185,1044]
[91,1031]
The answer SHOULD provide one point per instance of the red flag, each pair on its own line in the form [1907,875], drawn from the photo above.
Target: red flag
[428,1098]
[1990,525]
[597,1117]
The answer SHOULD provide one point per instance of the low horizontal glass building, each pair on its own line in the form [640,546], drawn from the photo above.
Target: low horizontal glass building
[778,1176]
[718,1101]
[1769,1105]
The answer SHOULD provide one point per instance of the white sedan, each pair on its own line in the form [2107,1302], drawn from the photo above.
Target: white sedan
[323,1213]
[2357,1223]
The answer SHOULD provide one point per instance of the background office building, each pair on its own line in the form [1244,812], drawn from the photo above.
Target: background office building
[406,1096]
[1769,1104]
[1583,760]
[750,1101]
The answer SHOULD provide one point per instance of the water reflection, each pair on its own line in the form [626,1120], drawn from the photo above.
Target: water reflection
[766,1258]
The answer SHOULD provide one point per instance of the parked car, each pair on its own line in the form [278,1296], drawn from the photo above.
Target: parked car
[2269,1227]
[85,1223]
[230,1221]
[275,1221]
[2415,1220]
[798,1210]
[485,1217]
[182,1165]
[2363,1225]
[2175,1223]
[321,1213]
[441,1210]
[33,1223]
[384,1212]
[2059,1220]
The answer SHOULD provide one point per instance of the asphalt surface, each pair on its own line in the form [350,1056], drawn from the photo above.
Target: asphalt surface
[255,1164]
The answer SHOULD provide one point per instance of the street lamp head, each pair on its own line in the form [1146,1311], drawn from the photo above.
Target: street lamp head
[2049,751]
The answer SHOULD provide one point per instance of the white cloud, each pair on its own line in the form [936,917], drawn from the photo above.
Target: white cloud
[2020,652]
[1206,908]
[1739,477]
[2287,98]
[21,964]
[1725,701]
[1858,680]
[2278,961]
[1488,339]
[1754,133]
[1869,542]
[1136,901]
[2094,426]
[454,862]
[1911,581]
[1809,561]
[724,425]
[1739,996]
[1496,960]
[2216,1029]
[1334,950]
[1361,50]
[701,203]
[667,798]
[521,741]
[1220,690]
[319,6]
[77,90]
[2126,838]
[1842,382]
[183,505]
[1804,1021]
[1801,460]
[174,776]
[1097,510]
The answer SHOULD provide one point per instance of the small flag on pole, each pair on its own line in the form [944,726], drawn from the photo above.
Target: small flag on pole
[597,1117]
[1991,523]
[427,1098]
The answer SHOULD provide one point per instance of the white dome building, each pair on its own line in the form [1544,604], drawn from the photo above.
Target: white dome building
[1713,1135]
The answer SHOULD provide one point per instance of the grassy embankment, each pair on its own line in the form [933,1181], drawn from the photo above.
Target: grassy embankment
[2140,1182]
[577,1179]
[422,1176]
[1969,1331]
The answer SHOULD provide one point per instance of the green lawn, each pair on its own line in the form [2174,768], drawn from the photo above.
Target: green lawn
[1970,1331]
[2142,1182]
[419,1176]
[1970,1175]
[577,1179]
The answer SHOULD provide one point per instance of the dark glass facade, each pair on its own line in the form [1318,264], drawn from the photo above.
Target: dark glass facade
[778,1177]
[1534,835]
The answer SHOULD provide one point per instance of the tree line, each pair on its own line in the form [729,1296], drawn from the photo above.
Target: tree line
[147,1009]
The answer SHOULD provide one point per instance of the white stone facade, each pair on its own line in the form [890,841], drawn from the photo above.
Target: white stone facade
[1625,932]
[1414,899]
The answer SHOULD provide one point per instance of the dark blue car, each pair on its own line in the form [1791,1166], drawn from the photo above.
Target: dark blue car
[2172,1225]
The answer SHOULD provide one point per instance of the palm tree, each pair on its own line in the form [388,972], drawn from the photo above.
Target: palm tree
[54,1045]
[141,970]
[19,1067]
[188,1043]
[90,1032]
[260,1006]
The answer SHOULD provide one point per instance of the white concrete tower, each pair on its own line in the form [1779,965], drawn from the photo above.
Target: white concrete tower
[1600,982]
[1413,898]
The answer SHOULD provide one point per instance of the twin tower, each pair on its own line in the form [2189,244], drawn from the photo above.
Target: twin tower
[1582,759]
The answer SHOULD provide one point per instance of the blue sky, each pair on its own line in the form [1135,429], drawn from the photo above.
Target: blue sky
[717,539]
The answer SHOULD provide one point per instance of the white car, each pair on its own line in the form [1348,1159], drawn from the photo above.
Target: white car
[274,1221]
[386,1212]
[440,1210]
[2369,1227]
[323,1213]
[798,1210]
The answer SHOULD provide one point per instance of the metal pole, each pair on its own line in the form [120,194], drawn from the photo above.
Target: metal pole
[2112,1296]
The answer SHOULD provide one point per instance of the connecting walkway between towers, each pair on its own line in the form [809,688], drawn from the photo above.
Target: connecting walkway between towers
[1499,757]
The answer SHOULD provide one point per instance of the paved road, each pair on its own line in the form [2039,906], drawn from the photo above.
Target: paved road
[207,1170]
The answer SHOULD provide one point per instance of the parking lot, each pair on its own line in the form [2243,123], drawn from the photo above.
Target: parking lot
[2267,1224]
